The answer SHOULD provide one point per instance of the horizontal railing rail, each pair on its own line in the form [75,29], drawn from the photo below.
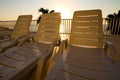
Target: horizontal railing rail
[110,26]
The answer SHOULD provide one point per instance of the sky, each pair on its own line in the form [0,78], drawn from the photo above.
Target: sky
[11,9]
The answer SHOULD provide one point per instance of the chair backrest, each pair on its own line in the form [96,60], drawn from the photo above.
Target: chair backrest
[48,29]
[22,26]
[86,28]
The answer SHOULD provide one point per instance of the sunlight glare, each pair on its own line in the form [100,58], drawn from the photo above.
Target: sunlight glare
[64,12]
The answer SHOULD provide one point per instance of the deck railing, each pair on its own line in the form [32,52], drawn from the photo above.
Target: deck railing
[110,26]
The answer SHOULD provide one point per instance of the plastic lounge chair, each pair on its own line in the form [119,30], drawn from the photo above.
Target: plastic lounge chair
[85,57]
[20,30]
[46,38]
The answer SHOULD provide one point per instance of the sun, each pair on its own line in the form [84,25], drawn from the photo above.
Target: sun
[64,12]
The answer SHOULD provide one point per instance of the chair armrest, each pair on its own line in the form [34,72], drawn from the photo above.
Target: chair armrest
[57,62]
[19,41]
[61,49]
[58,42]
[110,50]
[63,46]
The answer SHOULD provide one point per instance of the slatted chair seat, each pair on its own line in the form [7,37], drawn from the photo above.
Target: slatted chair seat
[18,62]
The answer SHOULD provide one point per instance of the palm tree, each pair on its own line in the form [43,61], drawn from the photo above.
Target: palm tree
[114,23]
[43,11]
